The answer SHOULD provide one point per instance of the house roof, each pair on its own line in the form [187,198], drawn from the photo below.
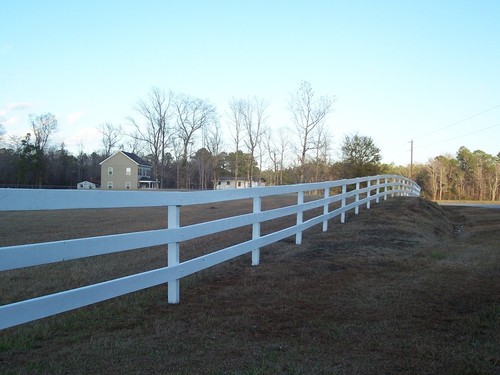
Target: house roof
[136,159]
[145,179]
[232,179]
[255,179]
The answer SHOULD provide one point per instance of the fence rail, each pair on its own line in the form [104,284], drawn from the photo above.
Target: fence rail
[357,191]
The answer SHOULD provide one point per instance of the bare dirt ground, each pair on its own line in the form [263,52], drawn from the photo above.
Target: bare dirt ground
[407,287]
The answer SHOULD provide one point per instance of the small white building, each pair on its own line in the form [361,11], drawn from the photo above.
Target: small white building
[238,183]
[86,185]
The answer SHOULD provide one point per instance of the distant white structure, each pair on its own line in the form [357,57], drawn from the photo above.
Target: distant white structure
[238,183]
[86,185]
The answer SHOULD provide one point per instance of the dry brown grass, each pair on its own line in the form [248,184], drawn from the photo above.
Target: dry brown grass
[407,287]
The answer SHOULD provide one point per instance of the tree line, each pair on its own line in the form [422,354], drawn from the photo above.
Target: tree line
[472,175]
[182,137]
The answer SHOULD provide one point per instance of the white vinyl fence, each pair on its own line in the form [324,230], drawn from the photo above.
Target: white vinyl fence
[350,195]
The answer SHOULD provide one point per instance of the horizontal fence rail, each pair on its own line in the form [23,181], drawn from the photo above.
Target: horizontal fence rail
[358,192]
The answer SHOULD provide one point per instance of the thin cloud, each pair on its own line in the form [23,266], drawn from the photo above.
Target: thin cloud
[20,106]
[14,116]
[10,121]
[74,117]
[83,139]
[7,110]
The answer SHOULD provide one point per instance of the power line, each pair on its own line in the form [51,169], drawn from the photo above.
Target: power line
[460,121]
[461,136]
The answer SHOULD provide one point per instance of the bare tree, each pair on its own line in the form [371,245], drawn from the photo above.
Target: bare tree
[34,145]
[441,166]
[2,132]
[276,144]
[322,148]
[283,148]
[273,154]
[133,144]
[438,177]
[204,160]
[494,179]
[261,150]
[253,115]
[43,127]
[177,148]
[213,143]
[13,141]
[308,112]
[110,137]
[192,114]
[433,178]
[236,129]
[154,129]
[480,172]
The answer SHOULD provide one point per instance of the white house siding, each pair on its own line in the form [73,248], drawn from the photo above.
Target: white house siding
[86,185]
[231,183]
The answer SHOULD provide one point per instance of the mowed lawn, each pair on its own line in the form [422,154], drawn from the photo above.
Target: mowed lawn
[407,287]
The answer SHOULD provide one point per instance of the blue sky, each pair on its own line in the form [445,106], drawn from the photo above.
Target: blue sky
[425,70]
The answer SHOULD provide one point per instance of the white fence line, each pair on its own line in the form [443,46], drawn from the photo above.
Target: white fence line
[13,257]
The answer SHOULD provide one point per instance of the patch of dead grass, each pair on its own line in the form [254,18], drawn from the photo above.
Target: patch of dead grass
[394,290]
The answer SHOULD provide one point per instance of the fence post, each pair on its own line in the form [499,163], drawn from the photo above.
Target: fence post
[300,216]
[356,209]
[174,216]
[325,210]
[378,190]
[385,188]
[344,192]
[257,207]
[416,189]
[368,194]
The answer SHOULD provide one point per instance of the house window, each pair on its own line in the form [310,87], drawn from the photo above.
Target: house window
[110,170]
[239,183]
[127,185]
[110,184]
[128,171]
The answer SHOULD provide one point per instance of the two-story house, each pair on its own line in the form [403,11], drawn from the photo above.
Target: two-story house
[124,171]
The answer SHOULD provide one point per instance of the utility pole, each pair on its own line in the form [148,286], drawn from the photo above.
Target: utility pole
[411,159]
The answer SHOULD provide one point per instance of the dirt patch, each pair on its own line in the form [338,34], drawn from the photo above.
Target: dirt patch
[397,289]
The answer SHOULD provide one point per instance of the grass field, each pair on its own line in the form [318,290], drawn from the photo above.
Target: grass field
[407,287]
